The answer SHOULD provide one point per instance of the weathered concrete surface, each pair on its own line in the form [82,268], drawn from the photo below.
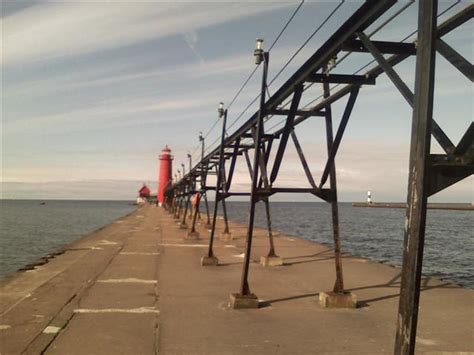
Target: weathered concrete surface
[137,287]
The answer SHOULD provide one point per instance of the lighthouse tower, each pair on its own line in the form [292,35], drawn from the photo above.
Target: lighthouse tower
[164,174]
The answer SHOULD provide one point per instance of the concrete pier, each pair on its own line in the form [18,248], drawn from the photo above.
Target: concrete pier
[137,287]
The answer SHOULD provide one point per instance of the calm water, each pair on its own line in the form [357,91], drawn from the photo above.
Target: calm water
[29,230]
[377,233]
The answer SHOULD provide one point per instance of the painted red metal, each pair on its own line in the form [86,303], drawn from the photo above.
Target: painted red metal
[144,191]
[165,173]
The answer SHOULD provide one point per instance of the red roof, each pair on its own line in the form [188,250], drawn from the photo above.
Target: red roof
[144,191]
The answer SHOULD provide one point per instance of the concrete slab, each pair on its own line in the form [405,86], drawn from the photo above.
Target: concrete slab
[209,261]
[337,300]
[238,301]
[110,333]
[271,261]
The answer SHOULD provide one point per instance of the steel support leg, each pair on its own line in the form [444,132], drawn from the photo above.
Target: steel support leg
[271,252]
[183,224]
[210,259]
[417,181]
[244,285]
[339,284]
[193,234]
[180,206]
[206,203]
[226,221]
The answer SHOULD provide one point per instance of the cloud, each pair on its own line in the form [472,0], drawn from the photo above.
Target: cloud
[191,39]
[102,76]
[52,30]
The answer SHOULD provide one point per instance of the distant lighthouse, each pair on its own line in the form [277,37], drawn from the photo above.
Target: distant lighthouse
[369,197]
[164,174]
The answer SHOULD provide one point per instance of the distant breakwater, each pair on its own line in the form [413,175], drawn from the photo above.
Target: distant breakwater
[433,206]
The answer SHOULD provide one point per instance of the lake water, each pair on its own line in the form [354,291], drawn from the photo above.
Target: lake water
[377,233]
[29,230]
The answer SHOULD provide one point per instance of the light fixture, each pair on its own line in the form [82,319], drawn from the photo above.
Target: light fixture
[189,155]
[258,53]
[201,138]
[220,110]
[331,64]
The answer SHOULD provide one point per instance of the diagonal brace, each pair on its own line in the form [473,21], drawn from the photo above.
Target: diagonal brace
[286,132]
[340,132]
[436,130]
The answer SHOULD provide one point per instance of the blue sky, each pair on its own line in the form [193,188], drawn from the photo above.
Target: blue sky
[91,92]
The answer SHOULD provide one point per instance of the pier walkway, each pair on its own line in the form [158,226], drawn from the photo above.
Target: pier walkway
[137,287]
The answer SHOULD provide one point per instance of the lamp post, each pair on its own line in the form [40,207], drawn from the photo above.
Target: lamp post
[210,259]
[192,183]
[201,139]
[186,196]
[203,180]
[190,161]
[246,299]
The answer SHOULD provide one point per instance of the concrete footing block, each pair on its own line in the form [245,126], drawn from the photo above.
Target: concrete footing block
[238,301]
[183,226]
[271,261]
[192,235]
[337,300]
[208,226]
[226,236]
[209,261]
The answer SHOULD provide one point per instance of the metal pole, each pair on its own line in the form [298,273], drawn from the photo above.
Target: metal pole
[204,181]
[210,252]
[244,286]
[271,252]
[196,211]
[186,206]
[339,284]
[405,340]
[224,207]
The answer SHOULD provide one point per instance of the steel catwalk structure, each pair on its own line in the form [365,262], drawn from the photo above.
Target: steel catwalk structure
[428,173]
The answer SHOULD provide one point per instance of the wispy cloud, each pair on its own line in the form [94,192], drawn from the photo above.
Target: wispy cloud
[62,29]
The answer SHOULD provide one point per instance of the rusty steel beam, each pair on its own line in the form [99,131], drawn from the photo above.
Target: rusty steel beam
[341,79]
[382,46]
[405,339]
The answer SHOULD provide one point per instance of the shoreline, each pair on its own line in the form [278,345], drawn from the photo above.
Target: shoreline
[430,206]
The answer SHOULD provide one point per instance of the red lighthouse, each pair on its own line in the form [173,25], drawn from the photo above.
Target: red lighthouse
[164,174]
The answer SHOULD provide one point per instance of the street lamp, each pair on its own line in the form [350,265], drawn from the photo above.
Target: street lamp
[210,259]
[190,161]
[220,109]
[331,64]
[201,139]
[258,53]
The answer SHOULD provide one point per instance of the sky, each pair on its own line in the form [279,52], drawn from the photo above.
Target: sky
[93,90]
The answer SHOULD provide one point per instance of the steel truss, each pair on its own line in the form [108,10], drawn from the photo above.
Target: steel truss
[428,173]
